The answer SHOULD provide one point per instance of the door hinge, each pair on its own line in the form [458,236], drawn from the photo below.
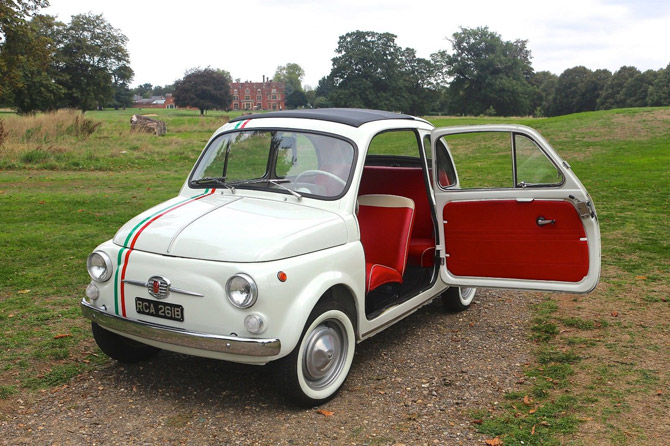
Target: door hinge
[584,208]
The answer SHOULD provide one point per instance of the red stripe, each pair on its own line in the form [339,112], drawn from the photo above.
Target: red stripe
[132,245]
[245,123]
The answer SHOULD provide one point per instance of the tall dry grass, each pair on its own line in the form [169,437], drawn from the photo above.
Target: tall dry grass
[47,128]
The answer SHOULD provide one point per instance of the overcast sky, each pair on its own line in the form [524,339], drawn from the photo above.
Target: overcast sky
[251,38]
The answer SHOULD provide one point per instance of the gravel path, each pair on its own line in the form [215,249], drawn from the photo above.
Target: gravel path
[416,383]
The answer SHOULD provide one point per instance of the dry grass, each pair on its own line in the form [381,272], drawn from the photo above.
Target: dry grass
[18,134]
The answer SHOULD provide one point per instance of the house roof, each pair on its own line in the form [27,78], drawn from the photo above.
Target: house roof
[354,117]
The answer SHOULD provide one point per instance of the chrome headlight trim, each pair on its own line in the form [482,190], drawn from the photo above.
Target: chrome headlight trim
[241,290]
[99,266]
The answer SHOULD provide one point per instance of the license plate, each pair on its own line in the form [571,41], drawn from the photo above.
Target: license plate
[163,310]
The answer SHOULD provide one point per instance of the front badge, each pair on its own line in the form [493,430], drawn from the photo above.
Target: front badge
[158,287]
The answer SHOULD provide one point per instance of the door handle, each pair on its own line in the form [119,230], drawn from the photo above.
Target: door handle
[541,221]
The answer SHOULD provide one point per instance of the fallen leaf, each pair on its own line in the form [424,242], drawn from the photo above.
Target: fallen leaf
[640,277]
[24,291]
[532,431]
[615,313]
[494,442]
[325,413]
[527,401]
[478,422]
[64,335]
[533,410]
[659,392]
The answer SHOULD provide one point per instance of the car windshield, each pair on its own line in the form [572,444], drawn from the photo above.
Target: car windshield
[281,161]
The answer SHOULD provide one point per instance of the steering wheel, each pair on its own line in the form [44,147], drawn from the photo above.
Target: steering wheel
[315,172]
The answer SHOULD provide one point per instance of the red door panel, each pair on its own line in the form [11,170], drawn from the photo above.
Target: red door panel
[501,239]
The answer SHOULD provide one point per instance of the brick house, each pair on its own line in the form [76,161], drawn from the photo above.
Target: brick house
[166,101]
[266,95]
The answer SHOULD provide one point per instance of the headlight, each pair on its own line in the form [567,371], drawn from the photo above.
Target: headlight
[99,266]
[241,290]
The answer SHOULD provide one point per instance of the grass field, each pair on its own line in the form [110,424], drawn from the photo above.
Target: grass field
[602,374]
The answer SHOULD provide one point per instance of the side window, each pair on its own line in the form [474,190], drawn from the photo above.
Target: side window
[533,168]
[397,142]
[483,160]
[446,174]
[499,160]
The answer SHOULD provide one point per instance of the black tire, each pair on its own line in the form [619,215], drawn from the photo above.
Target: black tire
[315,370]
[121,348]
[457,299]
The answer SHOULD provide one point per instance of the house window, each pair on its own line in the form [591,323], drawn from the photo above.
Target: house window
[259,106]
[259,97]
[236,106]
[235,91]
[247,97]
[236,97]
[274,97]
[246,91]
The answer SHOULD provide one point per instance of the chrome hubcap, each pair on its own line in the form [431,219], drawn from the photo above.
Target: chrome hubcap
[324,354]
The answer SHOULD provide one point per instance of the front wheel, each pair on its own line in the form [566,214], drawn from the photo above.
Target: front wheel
[121,348]
[458,299]
[318,366]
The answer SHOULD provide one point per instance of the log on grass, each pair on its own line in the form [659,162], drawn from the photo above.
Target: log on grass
[141,123]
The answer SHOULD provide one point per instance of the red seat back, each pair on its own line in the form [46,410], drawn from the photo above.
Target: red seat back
[385,223]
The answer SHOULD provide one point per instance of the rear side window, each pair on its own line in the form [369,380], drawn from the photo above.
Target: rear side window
[395,143]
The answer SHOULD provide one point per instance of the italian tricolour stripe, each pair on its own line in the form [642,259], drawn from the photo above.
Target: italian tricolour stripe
[241,124]
[129,244]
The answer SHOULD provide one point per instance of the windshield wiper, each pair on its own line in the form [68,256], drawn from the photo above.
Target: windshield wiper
[290,191]
[221,181]
[271,181]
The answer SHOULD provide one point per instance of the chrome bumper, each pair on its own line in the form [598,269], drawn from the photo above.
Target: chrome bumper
[169,335]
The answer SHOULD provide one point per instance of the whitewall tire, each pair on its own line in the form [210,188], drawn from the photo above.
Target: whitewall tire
[318,366]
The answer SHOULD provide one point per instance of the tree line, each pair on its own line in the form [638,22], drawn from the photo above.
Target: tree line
[46,64]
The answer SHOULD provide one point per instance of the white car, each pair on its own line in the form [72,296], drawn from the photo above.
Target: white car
[301,233]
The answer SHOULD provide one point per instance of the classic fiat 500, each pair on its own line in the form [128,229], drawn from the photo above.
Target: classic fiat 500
[300,233]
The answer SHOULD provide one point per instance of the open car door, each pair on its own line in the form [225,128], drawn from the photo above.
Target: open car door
[515,216]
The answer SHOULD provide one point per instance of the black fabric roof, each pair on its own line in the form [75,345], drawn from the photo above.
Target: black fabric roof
[354,117]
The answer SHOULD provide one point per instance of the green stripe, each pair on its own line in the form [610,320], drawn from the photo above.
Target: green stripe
[238,124]
[130,234]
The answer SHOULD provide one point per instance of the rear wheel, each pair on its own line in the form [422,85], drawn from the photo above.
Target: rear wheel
[458,299]
[318,366]
[121,348]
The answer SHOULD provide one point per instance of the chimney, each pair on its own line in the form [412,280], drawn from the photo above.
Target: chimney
[263,78]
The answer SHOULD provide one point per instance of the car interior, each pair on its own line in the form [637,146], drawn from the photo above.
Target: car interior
[396,179]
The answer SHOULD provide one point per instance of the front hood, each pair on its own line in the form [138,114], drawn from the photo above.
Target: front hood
[232,229]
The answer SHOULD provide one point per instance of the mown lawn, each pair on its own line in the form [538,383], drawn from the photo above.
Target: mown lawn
[602,374]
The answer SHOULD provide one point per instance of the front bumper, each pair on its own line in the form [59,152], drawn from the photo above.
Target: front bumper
[174,336]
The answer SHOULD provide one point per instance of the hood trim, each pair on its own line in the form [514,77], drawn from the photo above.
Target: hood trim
[178,233]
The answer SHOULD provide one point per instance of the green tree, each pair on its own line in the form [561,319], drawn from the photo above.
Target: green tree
[204,89]
[292,75]
[577,90]
[372,71]
[123,96]
[611,95]
[93,54]
[636,90]
[659,92]
[544,83]
[486,72]
[32,51]
[18,45]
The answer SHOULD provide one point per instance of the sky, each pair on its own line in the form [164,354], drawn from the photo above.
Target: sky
[251,38]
